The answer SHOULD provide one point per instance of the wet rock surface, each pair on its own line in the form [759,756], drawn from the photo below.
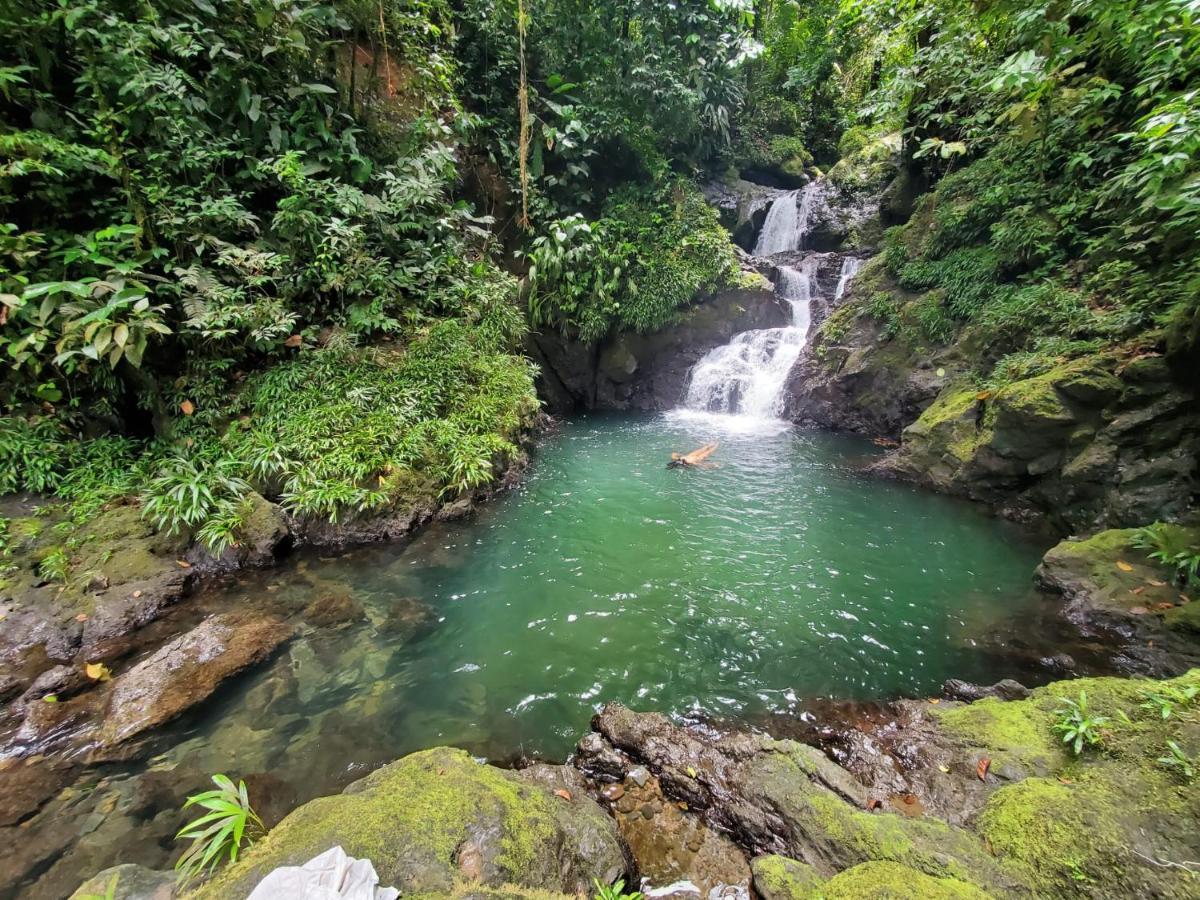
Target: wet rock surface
[186,672]
[1116,589]
[931,799]
[635,371]
[671,845]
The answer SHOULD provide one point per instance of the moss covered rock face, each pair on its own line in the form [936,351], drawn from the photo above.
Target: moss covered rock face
[1033,819]
[437,820]
[1110,583]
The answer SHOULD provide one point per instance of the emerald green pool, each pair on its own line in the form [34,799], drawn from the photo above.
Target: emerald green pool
[738,592]
[781,574]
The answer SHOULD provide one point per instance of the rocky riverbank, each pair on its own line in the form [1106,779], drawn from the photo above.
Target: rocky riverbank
[92,668]
[935,798]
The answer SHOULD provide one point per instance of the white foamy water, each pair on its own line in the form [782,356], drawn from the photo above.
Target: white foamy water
[786,222]
[850,267]
[747,375]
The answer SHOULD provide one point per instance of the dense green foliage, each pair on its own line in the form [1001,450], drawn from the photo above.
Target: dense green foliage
[1065,142]
[633,268]
[206,210]
[240,247]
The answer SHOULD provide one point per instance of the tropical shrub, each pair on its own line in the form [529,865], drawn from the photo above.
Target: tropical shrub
[217,836]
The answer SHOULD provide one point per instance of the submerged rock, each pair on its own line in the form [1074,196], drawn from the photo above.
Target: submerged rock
[128,882]
[437,821]
[333,608]
[185,672]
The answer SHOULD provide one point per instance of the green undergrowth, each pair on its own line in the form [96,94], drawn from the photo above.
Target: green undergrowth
[334,432]
[989,248]
[647,257]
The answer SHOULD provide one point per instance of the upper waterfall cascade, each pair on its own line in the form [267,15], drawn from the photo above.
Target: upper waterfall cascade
[850,267]
[786,223]
[747,376]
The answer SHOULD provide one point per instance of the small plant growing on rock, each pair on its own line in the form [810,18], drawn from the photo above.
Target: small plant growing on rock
[1169,547]
[1179,761]
[1169,700]
[1078,726]
[614,891]
[218,834]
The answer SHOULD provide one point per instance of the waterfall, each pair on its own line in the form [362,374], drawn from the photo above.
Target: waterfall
[747,375]
[850,267]
[786,222]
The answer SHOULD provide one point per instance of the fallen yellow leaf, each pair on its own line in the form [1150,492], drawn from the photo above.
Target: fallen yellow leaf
[1124,566]
[97,671]
[934,700]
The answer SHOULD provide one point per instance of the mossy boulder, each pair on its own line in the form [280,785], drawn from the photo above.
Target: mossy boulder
[947,434]
[1005,733]
[891,881]
[436,820]
[869,165]
[1110,583]
[781,878]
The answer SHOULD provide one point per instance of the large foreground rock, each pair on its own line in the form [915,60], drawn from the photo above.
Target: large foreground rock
[1033,820]
[186,672]
[437,820]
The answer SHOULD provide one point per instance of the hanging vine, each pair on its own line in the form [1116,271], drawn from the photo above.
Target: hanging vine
[523,111]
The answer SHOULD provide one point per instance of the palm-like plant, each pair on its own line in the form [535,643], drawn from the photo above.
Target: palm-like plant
[1077,724]
[218,834]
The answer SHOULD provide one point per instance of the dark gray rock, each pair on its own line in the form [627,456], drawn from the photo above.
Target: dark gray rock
[1006,689]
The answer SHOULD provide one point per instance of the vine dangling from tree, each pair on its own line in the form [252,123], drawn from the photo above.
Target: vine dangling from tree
[523,112]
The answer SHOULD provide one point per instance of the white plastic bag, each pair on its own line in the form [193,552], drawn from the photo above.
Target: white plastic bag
[331,876]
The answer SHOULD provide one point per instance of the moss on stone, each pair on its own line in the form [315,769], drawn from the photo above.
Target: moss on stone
[781,878]
[411,817]
[896,882]
[928,845]
[869,166]
[1114,575]
[1011,732]
[950,426]
[1063,834]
